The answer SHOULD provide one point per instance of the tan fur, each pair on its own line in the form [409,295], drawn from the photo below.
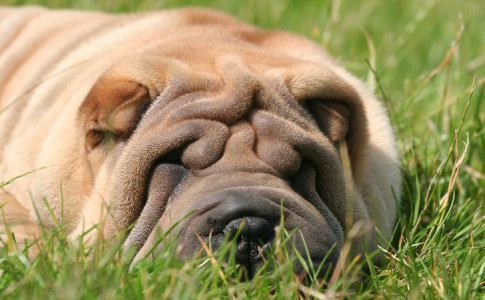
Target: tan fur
[69,79]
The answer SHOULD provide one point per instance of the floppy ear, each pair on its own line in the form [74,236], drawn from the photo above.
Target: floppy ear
[332,117]
[344,123]
[112,109]
[338,110]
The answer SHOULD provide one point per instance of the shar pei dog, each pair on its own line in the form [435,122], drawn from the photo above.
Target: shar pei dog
[140,121]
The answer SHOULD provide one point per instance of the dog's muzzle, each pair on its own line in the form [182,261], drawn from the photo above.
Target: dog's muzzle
[246,214]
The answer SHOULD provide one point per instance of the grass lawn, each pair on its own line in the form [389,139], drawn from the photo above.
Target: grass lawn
[426,60]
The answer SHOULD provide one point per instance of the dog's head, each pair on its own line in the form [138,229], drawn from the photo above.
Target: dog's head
[227,131]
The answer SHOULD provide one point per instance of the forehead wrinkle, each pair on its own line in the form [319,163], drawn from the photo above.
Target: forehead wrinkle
[182,82]
[275,93]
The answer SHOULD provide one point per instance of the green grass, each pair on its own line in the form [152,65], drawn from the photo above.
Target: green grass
[426,61]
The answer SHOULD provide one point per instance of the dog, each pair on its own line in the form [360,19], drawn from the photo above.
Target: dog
[140,121]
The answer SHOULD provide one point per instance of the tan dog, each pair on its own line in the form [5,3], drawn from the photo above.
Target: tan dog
[153,116]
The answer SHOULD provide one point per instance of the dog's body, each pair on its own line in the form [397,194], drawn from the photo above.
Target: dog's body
[160,114]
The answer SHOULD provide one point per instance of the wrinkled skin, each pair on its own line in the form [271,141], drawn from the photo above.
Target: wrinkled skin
[210,122]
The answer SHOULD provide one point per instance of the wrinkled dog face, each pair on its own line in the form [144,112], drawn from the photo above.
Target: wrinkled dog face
[233,135]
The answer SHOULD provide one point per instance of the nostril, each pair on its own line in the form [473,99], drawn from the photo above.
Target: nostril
[253,235]
[252,229]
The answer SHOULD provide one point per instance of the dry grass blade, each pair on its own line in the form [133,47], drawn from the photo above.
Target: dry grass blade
[454,174]
[315,294]
[212,259]
[447,59]
[443,164]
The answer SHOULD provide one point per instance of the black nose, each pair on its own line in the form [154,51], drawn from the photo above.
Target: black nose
[252,234]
